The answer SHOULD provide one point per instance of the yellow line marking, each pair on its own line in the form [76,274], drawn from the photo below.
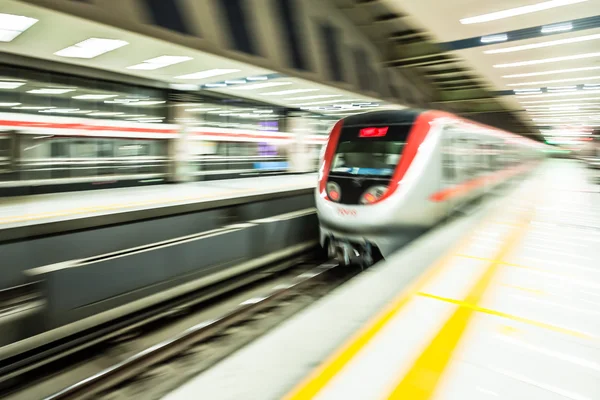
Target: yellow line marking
[119,206]
[423,377]
[511,317]
[524,289]
[318,379]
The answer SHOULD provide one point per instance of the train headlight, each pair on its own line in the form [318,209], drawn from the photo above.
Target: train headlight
[334,192]
[373,194]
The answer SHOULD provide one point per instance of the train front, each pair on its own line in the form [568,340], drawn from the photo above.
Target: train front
[372,196]
[359,203]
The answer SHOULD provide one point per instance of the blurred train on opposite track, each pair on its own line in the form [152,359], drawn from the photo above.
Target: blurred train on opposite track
[62,133]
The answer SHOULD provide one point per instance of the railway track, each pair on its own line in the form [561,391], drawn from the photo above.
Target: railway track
[150,355]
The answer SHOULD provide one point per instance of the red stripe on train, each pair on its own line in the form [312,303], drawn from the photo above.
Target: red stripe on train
[473,184]
[98,128]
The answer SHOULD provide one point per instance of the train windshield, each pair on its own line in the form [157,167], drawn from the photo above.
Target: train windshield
[367,158]
[373,156]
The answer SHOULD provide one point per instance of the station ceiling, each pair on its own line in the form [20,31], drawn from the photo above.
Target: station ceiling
[190,69]
[526,65]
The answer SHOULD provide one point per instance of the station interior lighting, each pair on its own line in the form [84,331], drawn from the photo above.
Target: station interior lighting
[12,26]
[91,48]
[514,12]
[160,62]
[208,73]
[554,72]
[549,43]
[548,60]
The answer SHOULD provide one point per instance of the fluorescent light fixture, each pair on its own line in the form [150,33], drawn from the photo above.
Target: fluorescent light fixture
[106,114]
[82,112]
[95,96]
[593,86]
[558,71]
[321,96]
[215,85]
[145,103]
[50,91]
[60,110]
[545,44]
[31,108]
[257,78]
[589,78]
[325,102]
[561,87]
[132,115]
[502,37]
[557,94]
[236,82]
[560,27]
[538,91]
[513,12]
[261,85]
[202,109]
[12,26]
[548,60]
[263,111]
[160,62]
[10,84]
[208,73]
[292,91]
[184,86]
[560,101]
[91,48]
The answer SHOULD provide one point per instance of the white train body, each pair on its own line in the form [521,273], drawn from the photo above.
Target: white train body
[444,162]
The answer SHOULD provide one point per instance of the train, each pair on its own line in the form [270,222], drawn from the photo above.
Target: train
[385,176]
[45,154]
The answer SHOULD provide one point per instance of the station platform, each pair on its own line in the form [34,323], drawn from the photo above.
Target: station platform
[127,204]
[503,303]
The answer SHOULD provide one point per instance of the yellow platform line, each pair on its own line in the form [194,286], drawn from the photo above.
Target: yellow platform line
[321,376]
[422,379]
[511,317]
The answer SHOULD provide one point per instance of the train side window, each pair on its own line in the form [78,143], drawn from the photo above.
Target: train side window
[448,164]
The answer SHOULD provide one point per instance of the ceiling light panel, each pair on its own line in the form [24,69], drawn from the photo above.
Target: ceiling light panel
[548,60]
[10,84]
[322,96]
[513,12]
[560,101]
[503,37]
[208,73]
[255,86]
[291,91]
[91,48]
[558,71]
[51,91]
[575,92]
[325,102]
[145,103]
[9,104]
[12,26]
[550,43]
[160,62]
[95,96]
[560,27]
[31,108]
[589,78]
